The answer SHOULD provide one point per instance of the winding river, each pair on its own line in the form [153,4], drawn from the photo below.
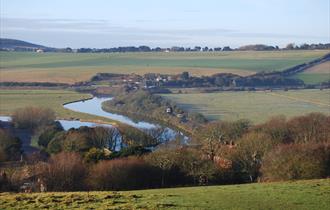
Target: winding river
[94,107]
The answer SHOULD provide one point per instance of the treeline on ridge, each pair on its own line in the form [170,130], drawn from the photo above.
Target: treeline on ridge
[21,46]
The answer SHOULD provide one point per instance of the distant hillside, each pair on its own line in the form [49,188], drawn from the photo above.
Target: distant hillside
[18,45]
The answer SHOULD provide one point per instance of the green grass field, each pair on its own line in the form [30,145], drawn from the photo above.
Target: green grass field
[10,100]
[309,194]
[255,106]
[316,74]
[70,68]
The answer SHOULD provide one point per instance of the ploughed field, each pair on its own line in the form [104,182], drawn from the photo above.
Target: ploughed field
[309,194]
[75,67]
[10,100]
[256,106]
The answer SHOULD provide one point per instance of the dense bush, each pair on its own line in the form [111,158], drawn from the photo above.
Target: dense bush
[65,172]
[130,151]
[248,154]
[187,164]
[123,174]
[313,127]
[244,146]
[297,161]
[135,137]
[216,134]
[33,117]
[47,133]
[94,155]
[310,128]
[276,129]
[83,139]
[10,147]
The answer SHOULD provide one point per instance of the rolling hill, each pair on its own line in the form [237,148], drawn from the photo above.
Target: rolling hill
[306,194]
[13,44]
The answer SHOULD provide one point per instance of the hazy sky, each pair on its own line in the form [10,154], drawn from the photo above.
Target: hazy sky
[165,23]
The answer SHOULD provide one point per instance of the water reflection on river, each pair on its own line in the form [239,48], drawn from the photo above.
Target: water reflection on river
[94,107]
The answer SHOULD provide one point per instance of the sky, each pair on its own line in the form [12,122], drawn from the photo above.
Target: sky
[165,23]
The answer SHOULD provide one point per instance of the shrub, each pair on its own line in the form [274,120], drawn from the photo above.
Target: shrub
[214,135]
[48,133]
[55,145]
[135,137]
[94,155]
[182,166]
[10,147]
[277,130]
[65,172]
[32,117]
[191,162]
[83,139]
[104,137]
[129,151]
[313,127]
[166,160]
[248,154]
[304,161]
[123,174]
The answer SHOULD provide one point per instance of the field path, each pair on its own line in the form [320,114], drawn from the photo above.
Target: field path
[300,99]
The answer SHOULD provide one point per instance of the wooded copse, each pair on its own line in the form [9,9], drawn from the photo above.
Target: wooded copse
[218,153]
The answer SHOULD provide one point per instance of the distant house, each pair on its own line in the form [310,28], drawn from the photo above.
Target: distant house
[40,51]
[169,110]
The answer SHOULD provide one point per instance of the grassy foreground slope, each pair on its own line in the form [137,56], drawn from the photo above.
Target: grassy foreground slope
[10,100]
[311,194]
[70,67]
[255,106]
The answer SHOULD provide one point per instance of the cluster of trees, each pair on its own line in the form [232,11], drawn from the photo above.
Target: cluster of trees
[117,49]
[290,46]
[156,49]
[256,47]
[320,46]
[218,153]
[279,149]
[33,117]
[94,143]
[232,80]
[18,45]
